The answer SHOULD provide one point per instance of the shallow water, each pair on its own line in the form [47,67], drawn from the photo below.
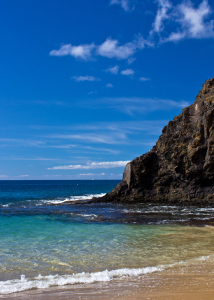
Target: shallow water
[47,241]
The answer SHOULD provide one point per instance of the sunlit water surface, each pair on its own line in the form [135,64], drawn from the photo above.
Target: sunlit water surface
[47,239]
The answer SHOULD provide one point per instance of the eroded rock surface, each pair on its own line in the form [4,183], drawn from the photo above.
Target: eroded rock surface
[180,167]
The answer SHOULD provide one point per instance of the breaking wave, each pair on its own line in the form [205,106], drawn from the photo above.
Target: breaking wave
[72,199]
[56,201]
[43,282]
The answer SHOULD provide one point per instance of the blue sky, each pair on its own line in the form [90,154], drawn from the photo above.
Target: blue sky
[87,86]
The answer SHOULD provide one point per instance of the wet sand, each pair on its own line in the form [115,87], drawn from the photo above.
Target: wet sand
[194,282]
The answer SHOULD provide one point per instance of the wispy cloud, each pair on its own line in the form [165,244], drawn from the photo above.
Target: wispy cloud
[92,174]
[144,79]
[113,70]
[51,143]
[49,102]
[107,128]
[116,138]
[52,175]
[82,51]
[65,146]
[100,150]
[18,176]
[111,48]
[127,72]
[27,158]
[172,23]
[131,60]
[20,142]
[92,165]
[162,14]
[116,174]
[146,106]
[85,78]
[109,85]
[125,4]
[137,105]
[192,21]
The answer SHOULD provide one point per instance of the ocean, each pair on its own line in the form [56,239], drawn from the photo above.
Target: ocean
[49,238]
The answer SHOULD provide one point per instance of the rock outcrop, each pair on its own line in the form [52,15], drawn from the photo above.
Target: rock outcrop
[180,167]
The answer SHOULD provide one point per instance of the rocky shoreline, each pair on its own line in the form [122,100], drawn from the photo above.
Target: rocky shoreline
[179,169]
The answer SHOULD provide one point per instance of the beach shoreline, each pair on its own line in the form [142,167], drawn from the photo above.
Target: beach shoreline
[101,251]
[181,283]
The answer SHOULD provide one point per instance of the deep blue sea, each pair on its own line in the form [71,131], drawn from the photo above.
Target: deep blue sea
[49,238]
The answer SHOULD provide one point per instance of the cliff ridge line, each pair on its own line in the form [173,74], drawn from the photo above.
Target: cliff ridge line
[180,167]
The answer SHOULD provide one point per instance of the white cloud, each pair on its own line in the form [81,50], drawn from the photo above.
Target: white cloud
[125,4]
[110,128]
[144,79]
[93,165]
[111,49]
[193,22]
[116,174]
[127,72]
[190,22]
[23,175]
[51,175]
[60,146]
[85,78]
[82,51]
[109,85]
[134,105]
[187,22]
[27,158]
[21,142]
[163,8]
[131,60]
[3,176]
[113,70]
[175,37]
[91,174]
[114,138]
[130,106]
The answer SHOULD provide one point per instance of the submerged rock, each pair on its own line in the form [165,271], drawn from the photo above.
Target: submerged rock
[180,167]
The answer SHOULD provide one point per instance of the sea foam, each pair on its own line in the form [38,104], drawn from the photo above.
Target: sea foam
[71,199]
[43,282]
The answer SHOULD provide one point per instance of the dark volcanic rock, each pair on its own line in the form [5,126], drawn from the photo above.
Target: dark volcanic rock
[180,168]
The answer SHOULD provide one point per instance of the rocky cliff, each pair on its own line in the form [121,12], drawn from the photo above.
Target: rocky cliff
[180,167]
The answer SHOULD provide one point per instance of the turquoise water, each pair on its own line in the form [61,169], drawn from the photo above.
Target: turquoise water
[48,239]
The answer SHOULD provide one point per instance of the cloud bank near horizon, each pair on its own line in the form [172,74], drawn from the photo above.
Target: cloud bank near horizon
[93,165]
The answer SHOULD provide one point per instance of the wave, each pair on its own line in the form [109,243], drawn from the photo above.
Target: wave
[4,205]
[56,201]
[85,215]
[72,199]
[43,282]
[173,210]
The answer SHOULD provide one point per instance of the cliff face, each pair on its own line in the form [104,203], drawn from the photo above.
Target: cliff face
[180,168]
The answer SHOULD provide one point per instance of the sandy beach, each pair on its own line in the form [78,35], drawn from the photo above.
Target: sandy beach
[194,282]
